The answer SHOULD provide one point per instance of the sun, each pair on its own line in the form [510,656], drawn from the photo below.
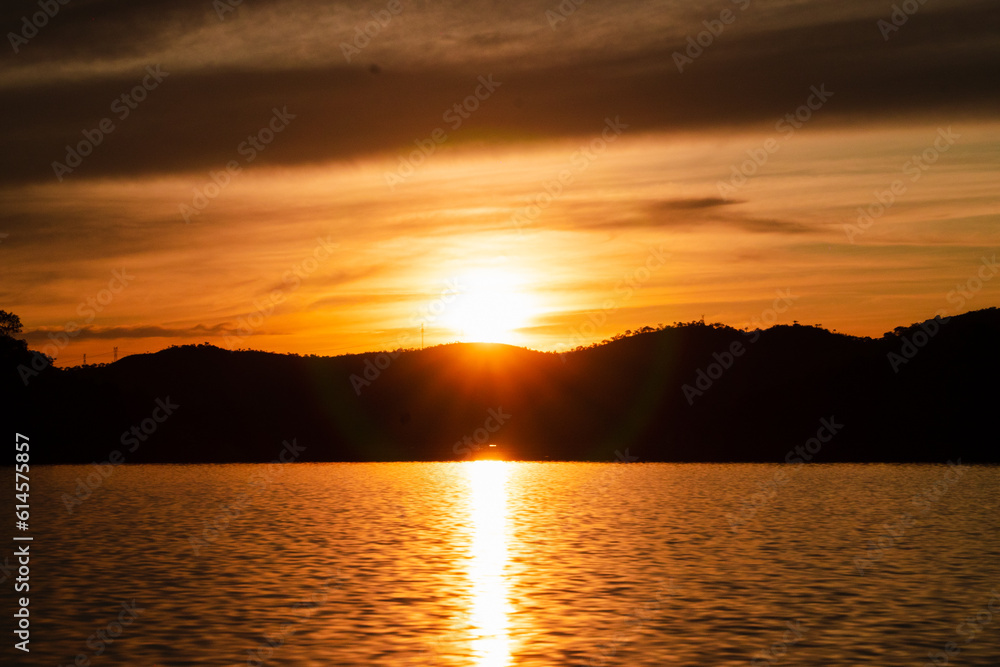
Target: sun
[490,306]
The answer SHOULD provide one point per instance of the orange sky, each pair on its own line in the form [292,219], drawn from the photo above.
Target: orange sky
[321,244]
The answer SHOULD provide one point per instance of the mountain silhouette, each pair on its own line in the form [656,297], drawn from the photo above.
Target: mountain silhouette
[688,392]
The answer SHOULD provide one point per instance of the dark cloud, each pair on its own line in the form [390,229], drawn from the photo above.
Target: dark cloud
[292,278]
[751,76]
[697,214]
[40,335]
[770,226]
[676,215]
[691,204]
[371,298]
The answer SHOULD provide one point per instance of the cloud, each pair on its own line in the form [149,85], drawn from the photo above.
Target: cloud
[691,204]
[609,59]
[754,73]
[292,279]
[41,335]
[347,299]
[685,214]
[693,214]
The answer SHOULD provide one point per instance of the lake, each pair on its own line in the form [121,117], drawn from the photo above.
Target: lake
[493,563]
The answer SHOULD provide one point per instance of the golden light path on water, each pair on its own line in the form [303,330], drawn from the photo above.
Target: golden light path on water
[490,606]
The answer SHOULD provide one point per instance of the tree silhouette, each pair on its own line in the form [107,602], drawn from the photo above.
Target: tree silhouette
[10,324]
[16,358]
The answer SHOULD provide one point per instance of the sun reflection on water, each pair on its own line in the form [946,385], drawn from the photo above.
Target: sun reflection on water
[490,606]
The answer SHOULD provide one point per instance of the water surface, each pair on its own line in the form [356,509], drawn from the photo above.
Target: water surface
[494,564]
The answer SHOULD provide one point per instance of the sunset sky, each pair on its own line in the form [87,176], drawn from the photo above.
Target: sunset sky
[503,171]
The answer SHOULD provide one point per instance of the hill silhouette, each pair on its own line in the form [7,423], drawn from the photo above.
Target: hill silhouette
[926,392]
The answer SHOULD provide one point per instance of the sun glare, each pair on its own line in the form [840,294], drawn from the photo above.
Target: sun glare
[490,608]
[490,306]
